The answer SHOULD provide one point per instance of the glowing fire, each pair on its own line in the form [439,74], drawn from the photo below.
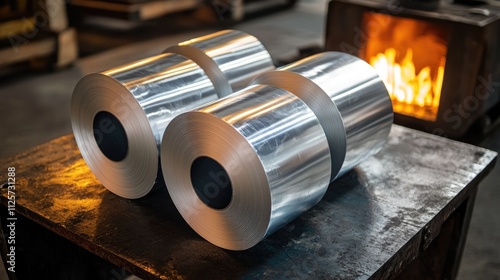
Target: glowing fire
[404,84]
[410,57]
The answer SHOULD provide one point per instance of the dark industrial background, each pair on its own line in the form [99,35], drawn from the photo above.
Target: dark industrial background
[35,104]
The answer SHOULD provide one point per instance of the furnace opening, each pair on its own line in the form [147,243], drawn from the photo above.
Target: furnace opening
[110,136]
[410,57]
[211,183]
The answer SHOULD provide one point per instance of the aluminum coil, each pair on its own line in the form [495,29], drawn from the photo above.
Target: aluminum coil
[240,168]
[119,116]
[349,98]
[230,58]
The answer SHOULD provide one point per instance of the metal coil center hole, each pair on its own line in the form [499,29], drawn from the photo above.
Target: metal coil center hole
[211,183]
[110,136]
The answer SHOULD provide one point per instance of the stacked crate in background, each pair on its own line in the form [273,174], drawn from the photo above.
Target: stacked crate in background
[36,34]
[227,11]
[133,10]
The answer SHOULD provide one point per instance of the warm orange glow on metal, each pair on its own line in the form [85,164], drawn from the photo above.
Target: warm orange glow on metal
[410,56]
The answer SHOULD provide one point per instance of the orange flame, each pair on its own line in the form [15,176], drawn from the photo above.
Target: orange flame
[404,84]
[410,57]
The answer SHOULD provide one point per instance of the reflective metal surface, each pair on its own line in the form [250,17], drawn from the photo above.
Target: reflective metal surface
[143,96]
[263,146]
[119,116]
[358,95]
[230,58]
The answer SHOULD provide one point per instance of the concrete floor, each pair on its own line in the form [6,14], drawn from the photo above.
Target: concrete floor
[36,106]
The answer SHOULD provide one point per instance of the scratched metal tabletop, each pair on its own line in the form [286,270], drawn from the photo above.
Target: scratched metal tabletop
[368,225]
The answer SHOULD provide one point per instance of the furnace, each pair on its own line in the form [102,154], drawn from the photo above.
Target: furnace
[441,67]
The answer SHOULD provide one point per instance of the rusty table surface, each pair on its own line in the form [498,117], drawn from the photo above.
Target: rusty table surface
[371,221]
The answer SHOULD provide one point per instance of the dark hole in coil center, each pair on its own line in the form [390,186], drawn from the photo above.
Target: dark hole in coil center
[110,136]
[211,183]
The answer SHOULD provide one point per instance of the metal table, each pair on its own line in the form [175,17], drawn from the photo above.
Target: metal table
[403,213]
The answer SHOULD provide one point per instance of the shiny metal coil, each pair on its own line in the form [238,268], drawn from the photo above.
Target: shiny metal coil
[241,167]
[230,58]
[348,97]
[119,116]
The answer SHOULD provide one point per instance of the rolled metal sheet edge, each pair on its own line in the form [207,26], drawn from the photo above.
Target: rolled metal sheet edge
[229,133]
[119,115]
[325,109]
[262,143]
[223,54]
[221,85]
[359,96]
[162,89]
